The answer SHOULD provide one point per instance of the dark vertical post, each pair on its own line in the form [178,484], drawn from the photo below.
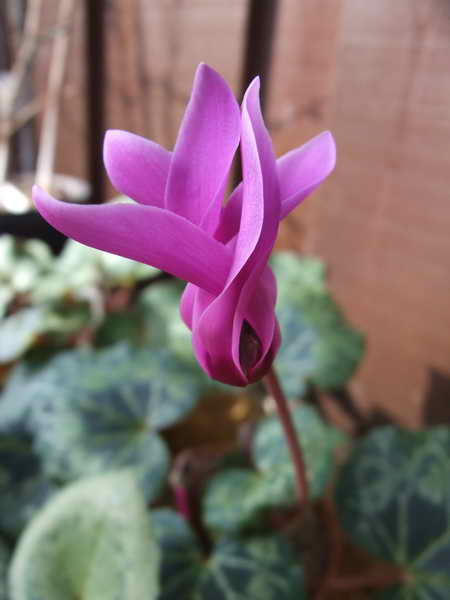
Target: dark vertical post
[24,141]
[95,80]
[260,33]
[5,54]
[261,21]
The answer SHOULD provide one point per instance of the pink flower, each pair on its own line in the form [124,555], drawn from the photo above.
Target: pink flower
[180,225]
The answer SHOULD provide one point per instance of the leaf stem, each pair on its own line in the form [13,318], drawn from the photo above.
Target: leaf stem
[274,388]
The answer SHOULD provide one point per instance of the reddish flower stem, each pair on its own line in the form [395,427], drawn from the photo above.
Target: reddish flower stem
[182,502]
[274,388]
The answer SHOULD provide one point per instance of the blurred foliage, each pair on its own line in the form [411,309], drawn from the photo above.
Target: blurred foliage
[258,568]
[318,345]
[23,487]
[4,560]
[46,300]
[271,484]
[92,541]
[394,500]
[100,366]
[94,410]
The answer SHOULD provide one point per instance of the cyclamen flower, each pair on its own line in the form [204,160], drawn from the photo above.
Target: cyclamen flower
[180,225]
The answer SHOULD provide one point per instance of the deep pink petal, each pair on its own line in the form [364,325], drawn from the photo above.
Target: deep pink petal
[207,141]
[146,234]
[302,170]
[187,304]
[218,322]
[218,325]
[261,317]
[137,167]
[261,200]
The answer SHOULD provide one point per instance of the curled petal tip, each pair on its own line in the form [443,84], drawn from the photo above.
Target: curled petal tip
[138,168]
[204,70]
[40,198]
[328,136]
[253,88]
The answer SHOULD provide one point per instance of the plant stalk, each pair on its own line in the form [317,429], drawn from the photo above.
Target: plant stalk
[301,482]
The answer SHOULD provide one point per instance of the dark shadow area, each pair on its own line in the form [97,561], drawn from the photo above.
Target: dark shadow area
[32,225]
[436,406]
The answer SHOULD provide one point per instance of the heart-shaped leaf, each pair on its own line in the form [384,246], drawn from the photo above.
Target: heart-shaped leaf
[272,485]
[318,344]
[394,500]
[259,568]
[23,488]
[96,410]
[92,541]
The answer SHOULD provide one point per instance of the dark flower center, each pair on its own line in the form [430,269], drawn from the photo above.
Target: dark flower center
[249,348]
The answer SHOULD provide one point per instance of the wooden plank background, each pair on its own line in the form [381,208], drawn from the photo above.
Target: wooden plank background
[377,75]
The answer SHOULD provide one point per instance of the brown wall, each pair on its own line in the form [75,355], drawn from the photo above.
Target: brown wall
[377,75]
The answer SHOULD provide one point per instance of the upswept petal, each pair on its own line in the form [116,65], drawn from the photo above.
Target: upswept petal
[261,199]
[137,167]
[146,234]
[300,172]
[259,220]
[207,141]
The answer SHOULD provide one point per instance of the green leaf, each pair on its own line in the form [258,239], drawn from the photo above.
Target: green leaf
[298,277]
[93,541]
[4,561]
[181,556]
[163,300]
[7,250]
[92,411]
[121,326]
[162,305]
[225,510]
[23,263]
[394,500]
[318,344]
[272,485]
[317,440]
[6,295]
[18,332]
[16,399]
[23,488]
[62,320]
[117,270]
[260,568]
